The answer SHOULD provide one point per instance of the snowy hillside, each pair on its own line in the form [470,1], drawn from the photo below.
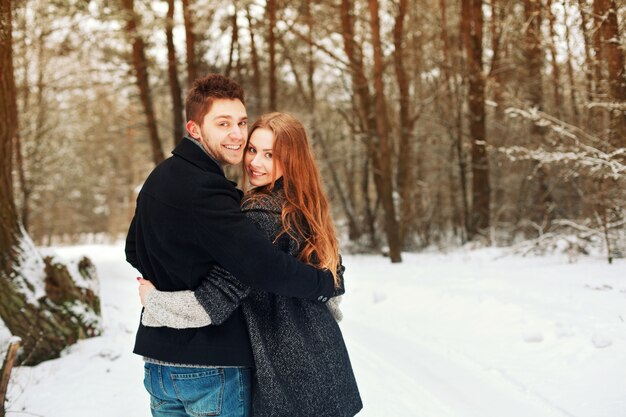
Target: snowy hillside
[468,334]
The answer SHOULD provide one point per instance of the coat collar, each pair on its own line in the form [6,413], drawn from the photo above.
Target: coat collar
[195,155]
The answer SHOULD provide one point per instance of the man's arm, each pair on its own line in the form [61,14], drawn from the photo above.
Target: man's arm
[221,293]
[235,243]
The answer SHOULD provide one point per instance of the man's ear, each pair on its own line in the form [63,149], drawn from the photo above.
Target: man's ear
[193,129]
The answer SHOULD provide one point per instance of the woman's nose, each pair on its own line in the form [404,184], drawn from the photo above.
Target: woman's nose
[255,161]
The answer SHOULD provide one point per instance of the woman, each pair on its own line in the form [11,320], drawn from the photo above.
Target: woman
[302,365]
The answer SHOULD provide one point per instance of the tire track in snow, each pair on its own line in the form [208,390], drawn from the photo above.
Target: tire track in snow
[425,382]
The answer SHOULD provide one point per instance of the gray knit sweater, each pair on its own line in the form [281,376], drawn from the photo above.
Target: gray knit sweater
[302,365]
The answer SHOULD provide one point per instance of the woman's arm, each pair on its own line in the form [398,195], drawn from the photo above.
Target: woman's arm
[220,293]
[211,303]
[175,309]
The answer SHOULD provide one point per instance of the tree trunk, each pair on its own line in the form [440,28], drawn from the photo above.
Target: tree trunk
[24,187]
[497,69]
[364,109]
[270,10]
[370,209]
[9,229]
[462,165]
[588,46]
[445,41]
[44,326]
[360,85]
[454,104]
[472,28]
[597,46]
[611,207]
[570,70]
[303,93]
[5,372]
[175,90]
[346,204]
[405,178]
[141,72]
[308,17]
[190,42]
[256,71]
[534,66]
[311,99]
[234,45]
[382,156]
[556,73]
[614,57]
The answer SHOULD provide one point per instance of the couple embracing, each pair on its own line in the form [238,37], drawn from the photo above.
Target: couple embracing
[241,291]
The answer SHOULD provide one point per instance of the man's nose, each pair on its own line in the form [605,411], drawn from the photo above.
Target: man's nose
[237,132]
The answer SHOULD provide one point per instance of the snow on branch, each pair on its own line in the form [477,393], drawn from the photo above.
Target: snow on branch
[594,159]
[558,126]
[571,237]
[611,106]
[579,147]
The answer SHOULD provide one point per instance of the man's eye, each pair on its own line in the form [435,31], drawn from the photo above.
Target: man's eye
[244,123]
[224,124]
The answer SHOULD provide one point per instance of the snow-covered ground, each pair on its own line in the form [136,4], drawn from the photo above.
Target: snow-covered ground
[467,334]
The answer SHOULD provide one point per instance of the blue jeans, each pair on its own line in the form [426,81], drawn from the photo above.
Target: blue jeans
[198,392]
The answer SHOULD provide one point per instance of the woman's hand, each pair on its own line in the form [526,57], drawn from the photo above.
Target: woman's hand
[145,287]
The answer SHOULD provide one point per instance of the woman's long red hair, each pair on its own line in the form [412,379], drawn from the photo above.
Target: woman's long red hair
[305,212]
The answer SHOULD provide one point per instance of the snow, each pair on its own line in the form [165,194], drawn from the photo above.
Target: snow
[464,334]
[31,276]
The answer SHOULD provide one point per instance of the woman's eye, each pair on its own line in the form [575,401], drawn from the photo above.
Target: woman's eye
[251,150]
[268,155]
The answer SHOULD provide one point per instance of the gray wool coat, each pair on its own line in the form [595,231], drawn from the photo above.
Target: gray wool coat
[302,365]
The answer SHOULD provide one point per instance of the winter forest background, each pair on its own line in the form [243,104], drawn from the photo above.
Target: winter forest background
[436,124]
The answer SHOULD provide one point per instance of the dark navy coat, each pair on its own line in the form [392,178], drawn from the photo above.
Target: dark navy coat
[188,219]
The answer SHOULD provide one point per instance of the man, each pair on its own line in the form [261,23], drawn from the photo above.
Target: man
[187,221]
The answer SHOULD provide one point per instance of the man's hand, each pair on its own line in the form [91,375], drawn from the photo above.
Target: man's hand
[145,287]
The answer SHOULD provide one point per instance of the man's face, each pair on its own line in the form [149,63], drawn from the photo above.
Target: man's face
[223,131]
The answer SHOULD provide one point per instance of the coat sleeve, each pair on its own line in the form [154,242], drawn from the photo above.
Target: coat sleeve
[221,293]
[131,245]
[226,235]
[175,309]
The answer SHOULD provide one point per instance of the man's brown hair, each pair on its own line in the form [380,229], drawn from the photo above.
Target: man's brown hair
[207,89]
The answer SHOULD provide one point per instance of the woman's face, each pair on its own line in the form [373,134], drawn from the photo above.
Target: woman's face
[258,158]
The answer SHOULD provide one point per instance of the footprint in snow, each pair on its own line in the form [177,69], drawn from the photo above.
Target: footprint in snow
[563,330]
[601,341]
[532,336]
[603,287]
[378,297]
